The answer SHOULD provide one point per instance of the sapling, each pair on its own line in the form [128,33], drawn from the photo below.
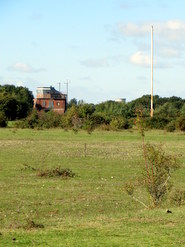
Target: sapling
[157,170]
[158,166]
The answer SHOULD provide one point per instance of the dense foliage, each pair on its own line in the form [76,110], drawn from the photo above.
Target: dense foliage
[3,121]
[15,102]
[169,113]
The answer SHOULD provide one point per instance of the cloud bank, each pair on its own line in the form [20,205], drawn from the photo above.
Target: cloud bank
[23,67]
[173,30]
[169,38]
[140,58]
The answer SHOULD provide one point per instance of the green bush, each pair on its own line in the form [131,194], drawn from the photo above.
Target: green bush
[118,123]
[181,123]
[100,118]
[177,197]
[40,120]
[168,109]
[49,119]
[157,171]
[157,168]
[3,120]
[157,122]
[70,118]
[171,126]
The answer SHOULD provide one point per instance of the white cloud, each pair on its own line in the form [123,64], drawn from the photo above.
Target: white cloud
[169,38]
[133,30]
[171,30]
[140,58]
[23,67]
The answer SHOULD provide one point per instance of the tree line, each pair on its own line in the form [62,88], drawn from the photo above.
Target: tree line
[16,103]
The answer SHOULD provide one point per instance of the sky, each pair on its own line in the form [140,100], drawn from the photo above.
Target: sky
[102,48]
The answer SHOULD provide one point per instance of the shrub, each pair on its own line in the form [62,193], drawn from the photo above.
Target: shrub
[105,127]
[32,225]
[158,167]
[89,125]
[21,124]
[181,123]
[3,120]
[56,172]
[118,123]
[41,120]
[68,120]
[100,118]
[33,119]
[177,197]
[49,119]
[157,171]
[171,126]
[157,122]
[168,109]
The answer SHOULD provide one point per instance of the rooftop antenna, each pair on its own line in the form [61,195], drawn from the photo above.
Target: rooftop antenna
[59,85]
[152,109]
[67,90]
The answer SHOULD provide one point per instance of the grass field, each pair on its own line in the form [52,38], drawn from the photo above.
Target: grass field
[92,208]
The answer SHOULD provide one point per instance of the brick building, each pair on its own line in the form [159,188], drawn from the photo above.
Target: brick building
[48,98]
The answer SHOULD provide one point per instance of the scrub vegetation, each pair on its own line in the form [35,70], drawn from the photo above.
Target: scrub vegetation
[90,207]
[16,103]
[169,114]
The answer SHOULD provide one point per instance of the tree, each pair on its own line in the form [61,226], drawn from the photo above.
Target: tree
[86,110]
[15,102]
[158,167]
[72,102]
[182,111]
[112,108]
[8,105]
[167,110]
[157,172]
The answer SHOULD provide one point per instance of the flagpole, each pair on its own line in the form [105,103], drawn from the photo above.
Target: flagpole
[152,110]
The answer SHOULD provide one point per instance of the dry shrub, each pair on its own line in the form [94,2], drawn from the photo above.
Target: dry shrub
[32,225]
[158,166]
[177,197]
[157,171]
[56,172]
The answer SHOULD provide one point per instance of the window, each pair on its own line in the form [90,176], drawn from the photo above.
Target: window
[43,103]
[50,104]
[58,103]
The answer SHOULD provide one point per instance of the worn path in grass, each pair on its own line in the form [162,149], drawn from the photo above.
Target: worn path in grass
[92,208]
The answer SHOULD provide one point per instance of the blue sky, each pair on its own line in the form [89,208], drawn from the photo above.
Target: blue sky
[102,47]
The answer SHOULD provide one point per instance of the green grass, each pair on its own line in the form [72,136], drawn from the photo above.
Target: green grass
[92,208]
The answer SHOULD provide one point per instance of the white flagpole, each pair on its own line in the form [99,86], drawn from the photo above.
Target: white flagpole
[152,110]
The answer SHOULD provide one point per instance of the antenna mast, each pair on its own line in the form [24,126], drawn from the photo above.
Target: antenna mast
[152,110]
[67,90]
[59,86]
